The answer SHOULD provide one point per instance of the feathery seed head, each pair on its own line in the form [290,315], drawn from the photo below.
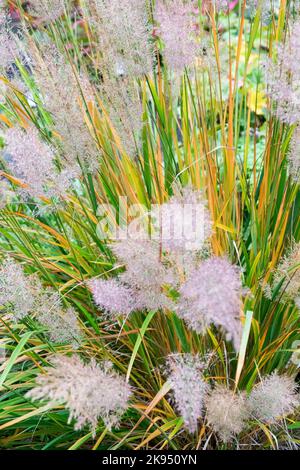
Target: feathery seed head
[123,31]
[121,96]
[175,20]
[8,43]
[57,83]
[288,271]
[189,387]
[211,295]
[294,155]
[62,324]
[47,10]
[90,391]
[31,160]
[114,297]
[183,223]
[17,291]
[124,39]
[145,271]
[283,77]
[273,398]
[226,412]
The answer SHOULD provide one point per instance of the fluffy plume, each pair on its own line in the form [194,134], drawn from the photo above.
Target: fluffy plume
[226,412]
[47,10]
[62,324]
[17,291]
[183,223]
[121,97]
[114,297]
[123,35]
[288,273]
[273,398]
[176,28]
[283,78]
[8,43]
[32,160]
[188,386]
[294,156]
[57,83]
[145,271]
[90,391]
[23,295]
[211,294]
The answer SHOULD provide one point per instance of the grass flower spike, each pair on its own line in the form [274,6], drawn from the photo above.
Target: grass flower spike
[226,412]
[16,289]
[273,398]
[90,391]
[175,27]
[211,295]
[189,387]
[149,225]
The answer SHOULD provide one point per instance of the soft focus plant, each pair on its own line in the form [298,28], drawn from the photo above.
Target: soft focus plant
[149,224]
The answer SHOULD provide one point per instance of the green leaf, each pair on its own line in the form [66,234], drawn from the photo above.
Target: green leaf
[17,352]
[139,341]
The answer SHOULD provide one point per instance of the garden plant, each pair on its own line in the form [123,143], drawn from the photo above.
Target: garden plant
[149,224]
